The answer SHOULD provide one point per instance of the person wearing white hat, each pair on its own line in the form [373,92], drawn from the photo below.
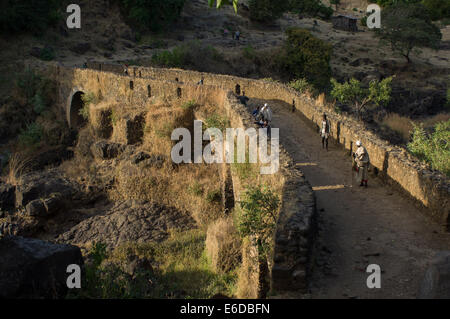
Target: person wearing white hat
[362,162]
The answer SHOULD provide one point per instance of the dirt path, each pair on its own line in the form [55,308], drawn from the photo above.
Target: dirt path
[358,226]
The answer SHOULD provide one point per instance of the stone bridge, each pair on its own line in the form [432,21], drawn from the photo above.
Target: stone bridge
[295,229]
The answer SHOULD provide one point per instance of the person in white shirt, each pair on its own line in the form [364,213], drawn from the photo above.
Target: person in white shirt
[325,131]
[362,162]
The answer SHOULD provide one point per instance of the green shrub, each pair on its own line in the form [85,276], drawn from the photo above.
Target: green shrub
[88,99]
[28,15]
[301,85]
[189,105]
[175,58]
[267,10]
[311,7]
[180,269]
[153,15]
[216,121]
[196,189]
[257,217]
[364,21]
[433,148]
[214,196]
[31,135]
[193,54]
[38,104]
[47,54]
[306,56]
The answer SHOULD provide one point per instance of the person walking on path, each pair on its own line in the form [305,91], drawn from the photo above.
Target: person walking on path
[362,161]
[237,35]
[325,131]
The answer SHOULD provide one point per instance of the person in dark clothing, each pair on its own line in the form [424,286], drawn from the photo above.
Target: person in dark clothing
[243,99]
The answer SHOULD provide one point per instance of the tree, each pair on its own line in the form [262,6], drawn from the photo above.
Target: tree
[406,27]
[336,3]
[306,56]
[439,9]
[267,10]
[151,15]
[379,93]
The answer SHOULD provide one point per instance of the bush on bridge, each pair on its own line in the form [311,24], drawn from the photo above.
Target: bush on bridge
[433,148]
[257,217]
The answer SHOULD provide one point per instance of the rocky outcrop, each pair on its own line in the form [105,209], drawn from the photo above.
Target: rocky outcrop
[32,268]
[106,150]
[129,221]
[41,186]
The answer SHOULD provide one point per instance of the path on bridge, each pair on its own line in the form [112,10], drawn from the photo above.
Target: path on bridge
[357,226]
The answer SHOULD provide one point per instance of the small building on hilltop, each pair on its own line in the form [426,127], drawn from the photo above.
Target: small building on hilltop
[344,22]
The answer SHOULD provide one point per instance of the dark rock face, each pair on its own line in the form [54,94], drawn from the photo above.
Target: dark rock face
[148,160]
[35,208]
[436,282]
[129,221]
[54,156]
[105,150]
[35,186]
[7,196]
[31,268]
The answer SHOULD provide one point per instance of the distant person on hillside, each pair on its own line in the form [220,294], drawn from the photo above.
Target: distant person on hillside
[201,81]
[237,35]
[325,131]
[362,161]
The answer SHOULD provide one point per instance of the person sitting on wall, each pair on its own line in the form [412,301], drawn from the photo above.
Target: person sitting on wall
[255,112]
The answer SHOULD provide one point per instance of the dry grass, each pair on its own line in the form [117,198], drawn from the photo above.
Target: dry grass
[320,100]
[248,283]
[432,121]
[17,166]
[400,124]
[223,245]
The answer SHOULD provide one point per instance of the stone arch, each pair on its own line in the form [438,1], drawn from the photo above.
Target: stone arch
[74,105]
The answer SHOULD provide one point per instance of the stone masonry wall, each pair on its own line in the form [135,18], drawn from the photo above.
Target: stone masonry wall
[428,187]
[294,233]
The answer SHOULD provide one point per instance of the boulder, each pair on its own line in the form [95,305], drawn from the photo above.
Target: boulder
[105,150]
[436,282]
[139,157]
[32,268]
[35,208]
[35,186]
